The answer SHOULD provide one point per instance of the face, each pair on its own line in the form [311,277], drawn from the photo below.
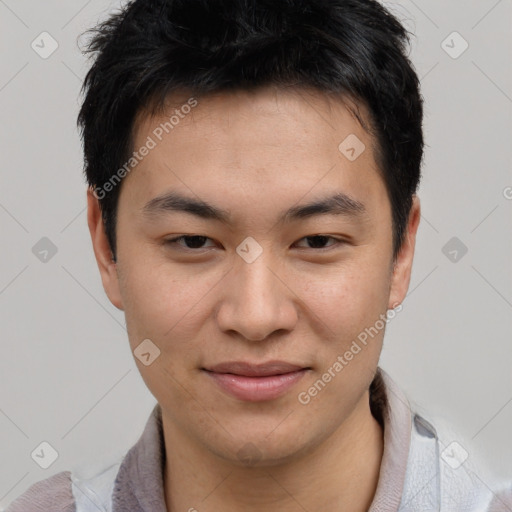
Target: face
[253,253]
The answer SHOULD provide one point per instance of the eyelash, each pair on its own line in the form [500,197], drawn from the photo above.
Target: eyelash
[174,242]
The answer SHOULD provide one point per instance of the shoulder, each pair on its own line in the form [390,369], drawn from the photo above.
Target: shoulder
[501,501]
[70,492]
[463,480]
[53,493]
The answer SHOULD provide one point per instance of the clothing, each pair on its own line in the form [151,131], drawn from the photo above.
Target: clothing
[414,477]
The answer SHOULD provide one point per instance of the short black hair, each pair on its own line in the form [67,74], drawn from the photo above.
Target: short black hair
[152,48]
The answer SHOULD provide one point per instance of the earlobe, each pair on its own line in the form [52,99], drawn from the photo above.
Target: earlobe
[102,251]
[403,265]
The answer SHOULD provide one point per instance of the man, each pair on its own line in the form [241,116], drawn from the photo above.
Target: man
[252,170]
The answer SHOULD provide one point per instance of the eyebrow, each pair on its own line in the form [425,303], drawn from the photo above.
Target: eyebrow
[337,204]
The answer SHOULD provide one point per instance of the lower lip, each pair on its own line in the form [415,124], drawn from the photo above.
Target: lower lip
[257,389]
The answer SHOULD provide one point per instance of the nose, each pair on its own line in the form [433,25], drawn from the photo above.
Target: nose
[258,301]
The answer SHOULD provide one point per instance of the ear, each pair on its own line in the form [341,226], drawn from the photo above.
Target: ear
[107,267]
[403,264]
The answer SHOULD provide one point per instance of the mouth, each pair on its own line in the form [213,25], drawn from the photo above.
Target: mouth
[256,382]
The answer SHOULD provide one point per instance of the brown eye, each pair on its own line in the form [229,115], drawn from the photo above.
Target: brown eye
[320,241]
[190,241]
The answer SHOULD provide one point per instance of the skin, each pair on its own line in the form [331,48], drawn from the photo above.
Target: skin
[256,155]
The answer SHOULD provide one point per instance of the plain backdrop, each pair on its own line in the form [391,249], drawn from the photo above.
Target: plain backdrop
[67,376]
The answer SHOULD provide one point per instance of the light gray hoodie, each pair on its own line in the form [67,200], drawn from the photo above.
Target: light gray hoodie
[417,474]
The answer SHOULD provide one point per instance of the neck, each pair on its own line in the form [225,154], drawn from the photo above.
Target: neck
[343,470]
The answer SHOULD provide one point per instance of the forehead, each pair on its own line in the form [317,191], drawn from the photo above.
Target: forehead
[309,110]
[288,141]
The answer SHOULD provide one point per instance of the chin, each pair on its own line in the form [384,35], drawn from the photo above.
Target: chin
[258,450]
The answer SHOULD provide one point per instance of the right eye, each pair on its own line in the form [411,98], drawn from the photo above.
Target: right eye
[191,242]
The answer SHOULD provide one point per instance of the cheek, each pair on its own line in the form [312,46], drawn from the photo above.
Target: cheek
[348,298]
[164,306]
[162,302]
[352,302]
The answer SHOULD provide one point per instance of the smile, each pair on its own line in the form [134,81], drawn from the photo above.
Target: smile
[255,383]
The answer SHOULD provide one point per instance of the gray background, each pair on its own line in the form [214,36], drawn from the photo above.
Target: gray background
[66,372]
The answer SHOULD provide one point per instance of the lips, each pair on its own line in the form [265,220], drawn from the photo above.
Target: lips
[256,382]
[255,370]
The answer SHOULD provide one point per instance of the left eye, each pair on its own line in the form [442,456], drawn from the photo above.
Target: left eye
[320,241]
[198,241]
